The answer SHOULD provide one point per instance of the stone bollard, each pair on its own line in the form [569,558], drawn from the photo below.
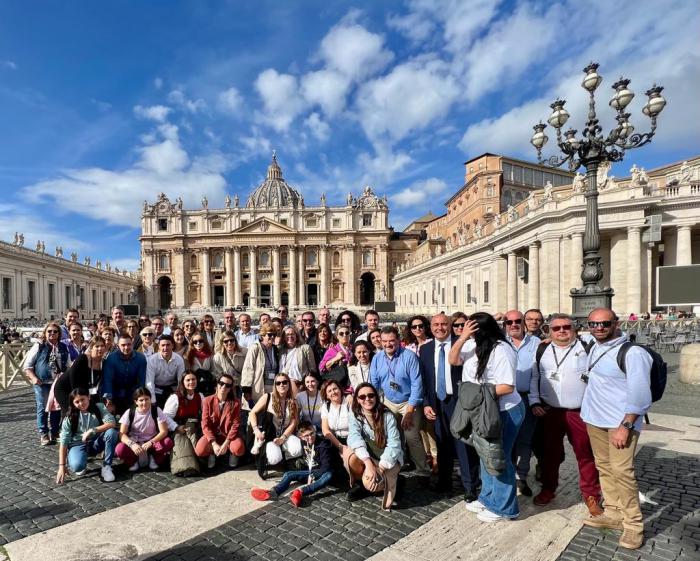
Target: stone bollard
[690,364]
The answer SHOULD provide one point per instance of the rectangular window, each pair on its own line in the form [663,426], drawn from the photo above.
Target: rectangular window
[538,179]
[454,294]
[52,296]
[366,219]
[192,226]
[507,173]
[94,299]
[311,223]
[486,292]
[69,301]
[162,224]
[548,177]
[517,174]
[244,223]
[114,299]
[81,293]
[336,223]
[105,305]
[469,293]
[284,221]
[31,295]
[527,176]
[7,293]
[217,224]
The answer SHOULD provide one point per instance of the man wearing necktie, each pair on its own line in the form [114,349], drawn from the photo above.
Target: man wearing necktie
[440,386]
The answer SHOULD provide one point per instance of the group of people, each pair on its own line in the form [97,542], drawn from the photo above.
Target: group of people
[333,403]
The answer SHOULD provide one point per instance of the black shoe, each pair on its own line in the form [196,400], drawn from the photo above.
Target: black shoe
[524,488]
[357,492]
[400,487]
[471,496]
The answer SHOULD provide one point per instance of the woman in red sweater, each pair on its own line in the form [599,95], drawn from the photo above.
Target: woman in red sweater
[220,423]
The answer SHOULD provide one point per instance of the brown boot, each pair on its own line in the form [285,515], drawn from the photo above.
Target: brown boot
[603,521]
[631,539]
[593,505]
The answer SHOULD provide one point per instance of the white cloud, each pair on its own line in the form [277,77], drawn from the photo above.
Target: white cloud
[230,101]
[320,129]
[384,166]
[178,97]
[415,26]
[157,83]
[419,192]
[12,65]
[126,264]
[327,88]
[156,113]
[280,95]
[18,218]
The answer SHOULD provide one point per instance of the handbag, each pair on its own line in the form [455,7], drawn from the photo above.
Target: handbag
[338,373]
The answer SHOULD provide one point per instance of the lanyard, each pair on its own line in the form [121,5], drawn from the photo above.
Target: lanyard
[590,367]
[92,377]
[309,409]
[364,372]
[556,360]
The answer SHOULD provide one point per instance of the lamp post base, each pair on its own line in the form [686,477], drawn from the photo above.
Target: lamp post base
[585,301]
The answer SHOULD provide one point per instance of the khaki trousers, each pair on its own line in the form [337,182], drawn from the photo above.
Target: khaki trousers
[617,479]
[412,436]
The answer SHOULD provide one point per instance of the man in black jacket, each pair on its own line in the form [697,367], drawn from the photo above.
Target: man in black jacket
[440,386]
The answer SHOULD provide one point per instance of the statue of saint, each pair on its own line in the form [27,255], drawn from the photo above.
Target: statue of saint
[205,202]
[227,202]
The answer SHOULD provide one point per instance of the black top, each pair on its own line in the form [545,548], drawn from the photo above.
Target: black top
[326,457]
[77,376]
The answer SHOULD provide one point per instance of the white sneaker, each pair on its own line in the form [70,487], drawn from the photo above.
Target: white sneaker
[211,461]
[79,473]
[135,467]
[488,516]
[256,446]
[475,506]
[107,474]
[152,464]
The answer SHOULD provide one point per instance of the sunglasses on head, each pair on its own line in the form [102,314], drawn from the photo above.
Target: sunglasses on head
[513,321]
[458,325]
[567,327]
[281,383]
[225,384]
[594,324]
[365,396]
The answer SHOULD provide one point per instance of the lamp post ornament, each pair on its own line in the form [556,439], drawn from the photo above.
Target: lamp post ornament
[590,151]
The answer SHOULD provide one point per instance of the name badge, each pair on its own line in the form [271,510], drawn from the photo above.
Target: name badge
[270,375]
[93,391]
[394,386]
[553,375]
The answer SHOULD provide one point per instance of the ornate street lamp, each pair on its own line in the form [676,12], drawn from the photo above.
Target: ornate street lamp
[590,151]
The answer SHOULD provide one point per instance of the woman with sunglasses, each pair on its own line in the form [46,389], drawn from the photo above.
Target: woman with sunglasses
[358,371]
[338,355]
[279,437]
[75,341]
[261,365]
[85,372]
[220,425]
[45,362]
[376,455]
[458,321]
[180,345]
[230,357]
[208,329]
[351,320]
[324,341]
[148,341]
[199,360]
[416,333]
[296,359]
[190,328]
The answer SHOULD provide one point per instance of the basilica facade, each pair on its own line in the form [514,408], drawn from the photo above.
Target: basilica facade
[271,250]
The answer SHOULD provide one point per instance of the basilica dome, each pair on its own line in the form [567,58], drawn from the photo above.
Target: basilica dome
[275,192]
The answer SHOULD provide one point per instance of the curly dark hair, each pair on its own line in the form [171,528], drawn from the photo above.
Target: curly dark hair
[408,337]
[378,412]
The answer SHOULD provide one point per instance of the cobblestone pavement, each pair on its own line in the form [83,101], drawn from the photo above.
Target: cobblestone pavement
[325,528]
[671,481]
[30,500]
[679,398]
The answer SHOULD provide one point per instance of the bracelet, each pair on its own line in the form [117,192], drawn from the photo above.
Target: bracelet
[61,465]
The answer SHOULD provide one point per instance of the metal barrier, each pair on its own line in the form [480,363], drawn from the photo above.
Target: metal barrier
[11,373]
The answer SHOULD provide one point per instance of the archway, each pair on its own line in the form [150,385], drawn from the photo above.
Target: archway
[164,292]
[246,299]
[367,289]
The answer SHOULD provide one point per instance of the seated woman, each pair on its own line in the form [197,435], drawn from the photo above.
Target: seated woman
[358,371]
[376,455]
[85,372]
[229,358]
[198,359]
[220,422]
[277,433]
[88,429]
[296,359]
[144,432]
[185,404]
[335,413]
[321,460]
[309,402]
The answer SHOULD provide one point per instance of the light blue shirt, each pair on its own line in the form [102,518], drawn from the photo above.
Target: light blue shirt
[526,357]
[610,394]
[402,370]
[246,340]
[359,431]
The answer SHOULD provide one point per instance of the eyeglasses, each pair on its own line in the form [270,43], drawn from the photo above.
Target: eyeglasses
[51,331]
[307,320]
[418,326]
[198,342]
[458,325]
[538,320]
[343,333]
[225,385]
[365,396]
[269,335]
[513,321]
[593,324]
[561,327]
[227,341]
[281,383]
[282,311]
[148,334]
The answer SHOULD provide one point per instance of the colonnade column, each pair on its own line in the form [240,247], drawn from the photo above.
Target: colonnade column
[180,289]
[634,270]
[292,260]
[323,298]
[206,279]
[512,281]
[230,299]
[276,289]
[576,259]
[684,254]
[302,275]
[237,298]
[533,280]
[253,261]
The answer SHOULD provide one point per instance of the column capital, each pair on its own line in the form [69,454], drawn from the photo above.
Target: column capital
[227,250]
[275,249]
[534,245]
[635,229]
[179,250]
[576,235]
[236,249]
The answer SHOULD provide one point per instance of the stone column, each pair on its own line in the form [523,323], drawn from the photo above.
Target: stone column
[180,288]
[292,260]
[206,279]
[302,275]
[276,288]
[350,275]
[323,258]
[238,293]
[230,299]
[253,261]
[634,270]
[576,259]
[684,254]
[533,281]
[512,281]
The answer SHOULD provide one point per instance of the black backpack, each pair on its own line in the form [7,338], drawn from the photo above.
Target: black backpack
[542,347]
[154,414]
[659,368]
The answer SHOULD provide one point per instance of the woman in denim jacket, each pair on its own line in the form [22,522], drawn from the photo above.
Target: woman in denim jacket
[374,439]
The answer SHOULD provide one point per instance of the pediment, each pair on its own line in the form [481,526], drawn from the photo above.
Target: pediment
[264,226]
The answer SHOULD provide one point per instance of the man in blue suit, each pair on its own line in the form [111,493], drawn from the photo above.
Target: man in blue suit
[440,386]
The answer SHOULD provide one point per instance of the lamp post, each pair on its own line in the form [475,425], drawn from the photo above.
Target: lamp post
[590,151]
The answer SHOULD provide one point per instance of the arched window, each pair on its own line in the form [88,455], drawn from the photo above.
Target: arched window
[311,257]
[245,260]
[218,260]
[265,258]
[336,258]
[284,259]
[164,262]
[367,258]
[194,265]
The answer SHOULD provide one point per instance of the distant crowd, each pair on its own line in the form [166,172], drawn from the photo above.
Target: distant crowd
[351,404]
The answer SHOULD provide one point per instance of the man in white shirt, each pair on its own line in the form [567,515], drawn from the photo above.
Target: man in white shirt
[556,394]
[164,370]
[229,325]
[171,321]
[372,321]
[245,335]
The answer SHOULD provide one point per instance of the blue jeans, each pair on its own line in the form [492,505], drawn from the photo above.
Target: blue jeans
[498,493]
[78,453]
[43,419]
[523,444]
[321,479]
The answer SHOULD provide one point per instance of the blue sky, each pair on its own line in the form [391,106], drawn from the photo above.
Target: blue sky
[105,104]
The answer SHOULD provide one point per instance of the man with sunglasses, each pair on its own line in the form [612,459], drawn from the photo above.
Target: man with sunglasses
[525,346]
[372,321]
[556,394]
[308,329]
[283,314]
[613,407]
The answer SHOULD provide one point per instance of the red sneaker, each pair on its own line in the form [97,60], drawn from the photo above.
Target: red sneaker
[544,497]
[260,494]
[296,497]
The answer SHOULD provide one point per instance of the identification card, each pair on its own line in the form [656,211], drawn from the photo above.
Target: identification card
[270,375]
[394,386]
[553,375]
[93,391]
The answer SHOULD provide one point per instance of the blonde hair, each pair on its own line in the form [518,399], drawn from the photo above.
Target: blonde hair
[291,402]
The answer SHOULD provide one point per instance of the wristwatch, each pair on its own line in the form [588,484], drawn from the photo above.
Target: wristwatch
[627,425]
